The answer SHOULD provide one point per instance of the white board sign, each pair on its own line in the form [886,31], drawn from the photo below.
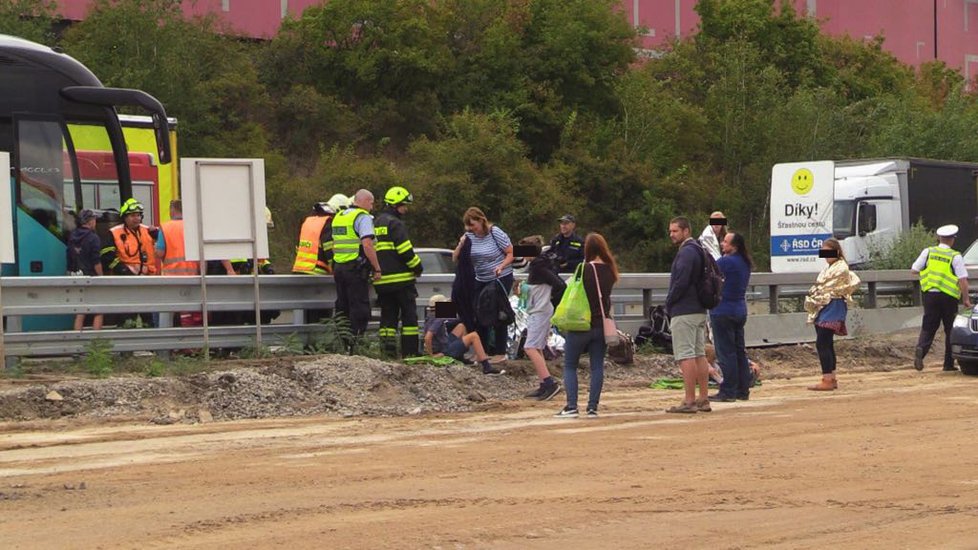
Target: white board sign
[6,212]
[223,206]
[801,214]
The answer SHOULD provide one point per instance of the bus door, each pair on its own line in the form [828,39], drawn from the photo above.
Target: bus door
[43,218]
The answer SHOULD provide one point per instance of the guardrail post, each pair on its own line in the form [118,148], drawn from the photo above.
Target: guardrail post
[774,295]
[166,321]
[646,301]
[871,296]
[918,299]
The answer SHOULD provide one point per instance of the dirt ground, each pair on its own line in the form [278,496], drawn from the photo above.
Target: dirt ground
[884,462]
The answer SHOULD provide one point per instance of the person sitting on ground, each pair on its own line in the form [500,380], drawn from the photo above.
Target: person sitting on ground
[453,342]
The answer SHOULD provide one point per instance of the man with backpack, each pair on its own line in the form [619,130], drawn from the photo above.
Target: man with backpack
[688,284]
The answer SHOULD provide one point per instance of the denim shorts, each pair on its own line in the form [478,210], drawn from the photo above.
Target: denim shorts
[455,348]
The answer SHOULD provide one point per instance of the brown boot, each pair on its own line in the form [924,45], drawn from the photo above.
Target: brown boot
[828,383]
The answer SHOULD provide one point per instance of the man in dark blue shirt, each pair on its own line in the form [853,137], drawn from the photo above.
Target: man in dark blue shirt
[84,256]
[568,247]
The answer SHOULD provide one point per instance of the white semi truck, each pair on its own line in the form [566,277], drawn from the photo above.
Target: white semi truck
[866,204]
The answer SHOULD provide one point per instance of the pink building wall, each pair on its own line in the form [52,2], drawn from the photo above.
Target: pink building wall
[908,25]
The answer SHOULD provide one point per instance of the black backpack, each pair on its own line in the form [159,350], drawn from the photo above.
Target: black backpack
[492,307]
[657,333]
[710,285]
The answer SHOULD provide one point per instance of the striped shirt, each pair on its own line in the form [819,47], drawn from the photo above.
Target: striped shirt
[488,252]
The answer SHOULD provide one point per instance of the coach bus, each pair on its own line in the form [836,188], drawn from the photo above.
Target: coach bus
[48,101]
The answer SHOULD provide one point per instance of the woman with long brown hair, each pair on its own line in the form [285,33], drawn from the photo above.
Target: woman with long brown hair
[827,305]
[600,276]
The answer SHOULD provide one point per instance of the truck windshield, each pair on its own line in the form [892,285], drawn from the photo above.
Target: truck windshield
[843,219]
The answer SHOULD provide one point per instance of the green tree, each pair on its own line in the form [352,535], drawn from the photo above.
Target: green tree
[479,161]
[788,42]
[29,19]
[383,60]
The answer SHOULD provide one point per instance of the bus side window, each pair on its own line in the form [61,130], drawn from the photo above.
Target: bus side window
[42,169]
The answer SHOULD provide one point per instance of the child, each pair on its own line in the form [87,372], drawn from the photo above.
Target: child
[438,340]
[541,280]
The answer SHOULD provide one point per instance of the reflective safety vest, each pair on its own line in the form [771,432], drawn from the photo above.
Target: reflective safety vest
[346,242]
[307,253]
[938,274]
[134,248]
[398,261]
[174,258]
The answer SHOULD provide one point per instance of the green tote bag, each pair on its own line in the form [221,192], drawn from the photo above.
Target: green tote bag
[573,313]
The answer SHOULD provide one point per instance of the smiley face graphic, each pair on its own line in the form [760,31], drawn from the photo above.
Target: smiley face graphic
[802,181]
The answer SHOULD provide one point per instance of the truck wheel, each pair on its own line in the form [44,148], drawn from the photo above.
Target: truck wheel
[969,367]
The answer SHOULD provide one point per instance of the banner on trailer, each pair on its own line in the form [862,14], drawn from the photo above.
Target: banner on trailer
[801,214]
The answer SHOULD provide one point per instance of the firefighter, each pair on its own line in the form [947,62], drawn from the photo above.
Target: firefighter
[132,242]
[355,261]
[396,291]
[315,249]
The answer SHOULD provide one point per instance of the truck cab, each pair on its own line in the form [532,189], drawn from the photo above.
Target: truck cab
[867,207]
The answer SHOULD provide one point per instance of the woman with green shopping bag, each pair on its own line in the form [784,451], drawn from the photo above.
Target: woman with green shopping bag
[592,284]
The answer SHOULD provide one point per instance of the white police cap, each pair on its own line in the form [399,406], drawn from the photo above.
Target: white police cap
[947,231]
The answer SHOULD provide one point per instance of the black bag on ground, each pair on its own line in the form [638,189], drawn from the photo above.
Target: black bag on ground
[657,333]
[622,353]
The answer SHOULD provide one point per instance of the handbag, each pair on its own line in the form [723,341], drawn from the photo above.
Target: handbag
[573,313]
[611,337]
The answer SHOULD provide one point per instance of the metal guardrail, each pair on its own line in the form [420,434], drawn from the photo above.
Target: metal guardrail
[295,295]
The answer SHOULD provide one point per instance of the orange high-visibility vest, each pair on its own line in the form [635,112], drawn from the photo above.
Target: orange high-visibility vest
[174,259]
[307,252]
[129,245]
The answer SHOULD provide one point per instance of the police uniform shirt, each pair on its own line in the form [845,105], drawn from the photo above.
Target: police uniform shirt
[957,264]
[364,226]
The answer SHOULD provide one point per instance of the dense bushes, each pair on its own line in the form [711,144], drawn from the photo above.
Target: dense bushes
[528,108]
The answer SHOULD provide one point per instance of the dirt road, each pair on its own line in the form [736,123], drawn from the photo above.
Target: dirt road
[888,461]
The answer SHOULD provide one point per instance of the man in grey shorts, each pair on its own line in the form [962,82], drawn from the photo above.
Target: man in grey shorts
[688,318]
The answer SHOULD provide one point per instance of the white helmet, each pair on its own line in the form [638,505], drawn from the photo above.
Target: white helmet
[338,202]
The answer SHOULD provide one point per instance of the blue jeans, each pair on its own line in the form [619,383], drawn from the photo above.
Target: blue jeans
[575,344]
[728,337]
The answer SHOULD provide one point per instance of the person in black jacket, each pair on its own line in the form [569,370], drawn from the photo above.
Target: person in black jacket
[567,245]
[84,256]
[687,318]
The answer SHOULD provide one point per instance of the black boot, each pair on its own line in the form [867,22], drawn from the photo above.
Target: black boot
[918,358]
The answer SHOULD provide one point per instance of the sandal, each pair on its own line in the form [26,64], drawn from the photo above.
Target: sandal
[703,406]
[684,408]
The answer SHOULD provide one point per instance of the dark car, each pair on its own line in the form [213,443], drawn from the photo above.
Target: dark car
[964,342]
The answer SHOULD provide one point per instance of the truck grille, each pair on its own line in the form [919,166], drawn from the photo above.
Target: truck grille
[974,324]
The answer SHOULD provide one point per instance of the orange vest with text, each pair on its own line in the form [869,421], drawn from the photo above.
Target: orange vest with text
[174,259]
[307,258]
[129,245]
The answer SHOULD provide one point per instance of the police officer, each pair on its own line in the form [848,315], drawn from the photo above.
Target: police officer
[944,282]
[354,258]
[568,247]
[315,249]
[396,291]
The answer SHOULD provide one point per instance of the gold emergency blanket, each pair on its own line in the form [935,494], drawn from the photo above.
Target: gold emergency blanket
[835,281]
